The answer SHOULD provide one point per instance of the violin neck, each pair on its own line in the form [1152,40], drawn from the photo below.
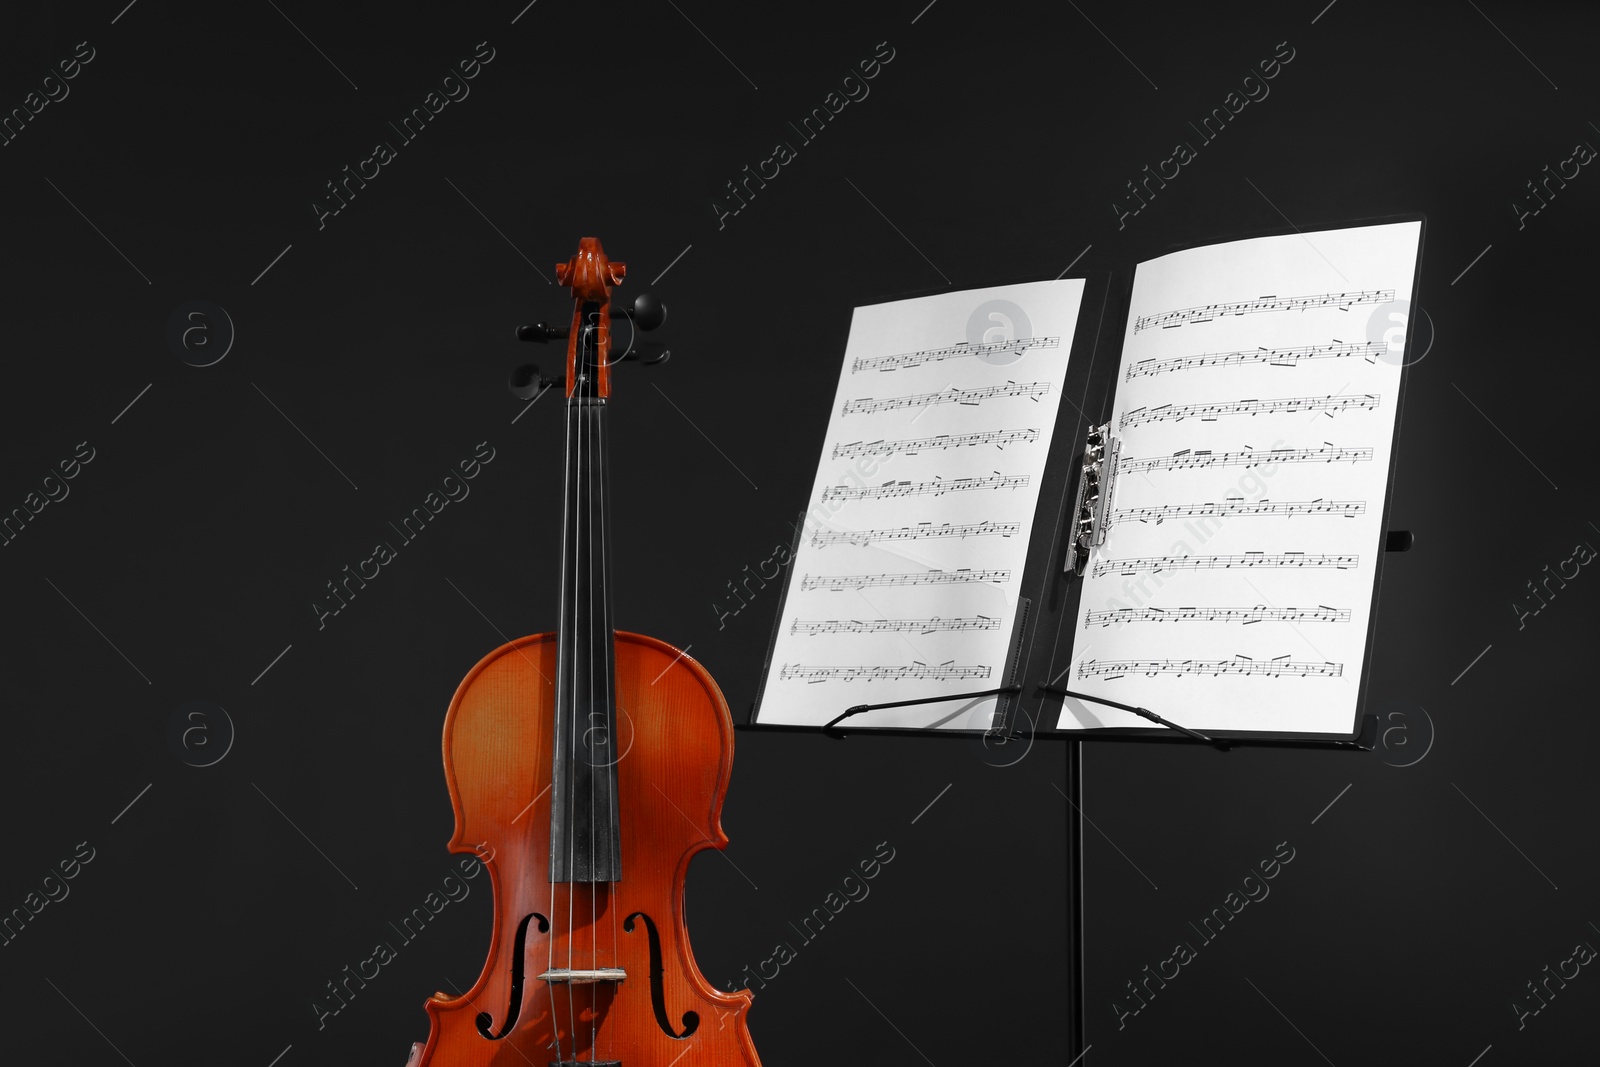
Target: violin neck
[585,845]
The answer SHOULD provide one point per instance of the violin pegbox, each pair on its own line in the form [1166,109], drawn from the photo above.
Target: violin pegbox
[591,277]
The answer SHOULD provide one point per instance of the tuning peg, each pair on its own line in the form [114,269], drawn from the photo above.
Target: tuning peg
[541,332]
[525,381]
[647,312]
[649,352]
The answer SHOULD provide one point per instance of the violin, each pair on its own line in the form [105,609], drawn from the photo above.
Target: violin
[587,767]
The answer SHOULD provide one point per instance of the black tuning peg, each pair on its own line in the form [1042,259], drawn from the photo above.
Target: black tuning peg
[525,381]
[541,332]
[647,312]
[649,352]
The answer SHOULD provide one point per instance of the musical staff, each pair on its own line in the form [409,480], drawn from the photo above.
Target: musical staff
[937,487]
[1278,357]
[926,489]
[1169,320]
[840,582]
[906,360]
[1347,508]
[1234,501]
[879,626]
[912,446]
[1153,564]
[1204,457]
[1211,412]
[976,395]
[1271,668]
[919,671]
[1247,616]
[824,538]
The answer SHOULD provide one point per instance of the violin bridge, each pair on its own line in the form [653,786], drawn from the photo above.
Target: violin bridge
[566,976]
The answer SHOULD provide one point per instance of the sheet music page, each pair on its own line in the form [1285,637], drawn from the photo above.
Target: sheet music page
[908,572]
[1255,405]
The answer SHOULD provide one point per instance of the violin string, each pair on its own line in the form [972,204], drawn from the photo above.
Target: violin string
[611,708]
[581,538]
[611,711]
[568,546]
[608,709]
[597,634]
[574,711]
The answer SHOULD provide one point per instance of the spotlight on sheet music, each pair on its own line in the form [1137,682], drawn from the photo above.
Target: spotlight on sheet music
[1390,323]
[1000,332]
[1405,733]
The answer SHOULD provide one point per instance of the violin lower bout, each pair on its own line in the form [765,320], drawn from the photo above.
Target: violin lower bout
[592,974]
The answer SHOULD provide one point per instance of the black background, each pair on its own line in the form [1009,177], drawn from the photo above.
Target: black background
[991,148]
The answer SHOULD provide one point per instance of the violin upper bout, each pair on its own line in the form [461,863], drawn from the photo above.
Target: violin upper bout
[496,742]
[673,718]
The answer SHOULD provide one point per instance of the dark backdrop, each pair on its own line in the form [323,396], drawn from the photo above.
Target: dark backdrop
[369,353]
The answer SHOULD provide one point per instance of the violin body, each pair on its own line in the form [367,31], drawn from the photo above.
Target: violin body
[587,767]
[676,741]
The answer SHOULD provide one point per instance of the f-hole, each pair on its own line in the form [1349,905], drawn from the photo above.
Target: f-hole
[485,1020]
[658,996]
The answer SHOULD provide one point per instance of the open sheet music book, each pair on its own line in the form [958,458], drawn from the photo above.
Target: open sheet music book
[1248,442]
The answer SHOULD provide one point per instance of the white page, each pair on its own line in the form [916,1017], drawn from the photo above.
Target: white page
[1234,592]
[907,577]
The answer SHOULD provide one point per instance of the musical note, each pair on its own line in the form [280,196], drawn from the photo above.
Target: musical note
[920,671]
[947,396]
[938,487]
[878,626]
[1204,457]
[925,492]
[824,538]
[906,360]
[1279,357]
[1249,559]
[1259,613]
[1210,412]
[1346,508]
[1168,320]
[912,446]
[1237,361]
[1272,668]
[841,582]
